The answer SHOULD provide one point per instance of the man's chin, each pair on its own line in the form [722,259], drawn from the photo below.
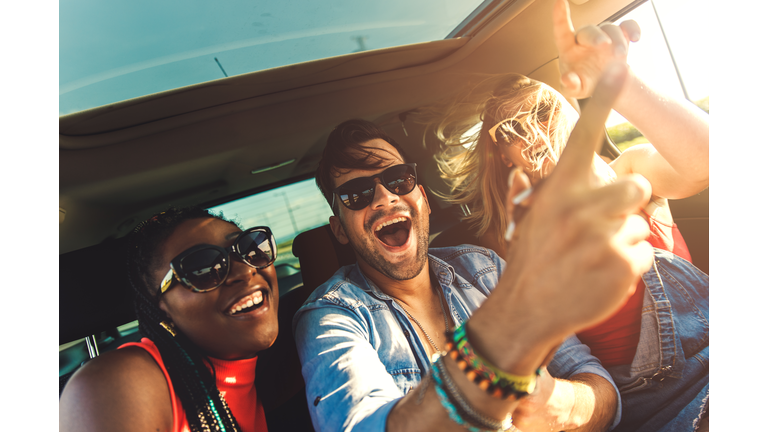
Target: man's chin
[402,264]
[401,273]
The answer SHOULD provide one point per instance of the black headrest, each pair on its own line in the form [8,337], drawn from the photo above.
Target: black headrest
[94,294]
[320,255]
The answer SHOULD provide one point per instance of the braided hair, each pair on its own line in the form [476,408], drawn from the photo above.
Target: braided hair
[193,382]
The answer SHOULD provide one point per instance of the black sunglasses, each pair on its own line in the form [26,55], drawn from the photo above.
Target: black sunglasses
[204,268]
[357,194]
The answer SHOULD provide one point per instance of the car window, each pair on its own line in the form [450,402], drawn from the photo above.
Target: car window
[287,211]
[113,51]
[670,54]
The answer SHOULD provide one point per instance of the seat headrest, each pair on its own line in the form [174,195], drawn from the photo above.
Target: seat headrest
[320,255]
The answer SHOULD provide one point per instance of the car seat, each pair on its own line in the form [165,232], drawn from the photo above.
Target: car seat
[281,388]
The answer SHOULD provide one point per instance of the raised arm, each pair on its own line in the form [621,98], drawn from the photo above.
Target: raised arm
[578,256]
[677,162]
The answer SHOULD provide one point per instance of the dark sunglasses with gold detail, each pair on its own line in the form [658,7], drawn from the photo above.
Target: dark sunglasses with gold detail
[204,268]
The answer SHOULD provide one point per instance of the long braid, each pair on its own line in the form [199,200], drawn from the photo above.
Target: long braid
[192,381]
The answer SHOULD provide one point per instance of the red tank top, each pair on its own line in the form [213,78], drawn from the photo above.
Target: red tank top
[234,379]
[614,341]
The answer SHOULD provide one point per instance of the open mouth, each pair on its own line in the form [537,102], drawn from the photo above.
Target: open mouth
[247,304]
[394,232]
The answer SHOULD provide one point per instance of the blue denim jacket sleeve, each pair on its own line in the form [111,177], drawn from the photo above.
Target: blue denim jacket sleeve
[359,356]
[347,386]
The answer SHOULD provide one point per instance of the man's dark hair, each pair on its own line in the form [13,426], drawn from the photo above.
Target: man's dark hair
[186,363]
[344,151]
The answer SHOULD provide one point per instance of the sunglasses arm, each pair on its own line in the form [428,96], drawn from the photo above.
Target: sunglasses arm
[167,281]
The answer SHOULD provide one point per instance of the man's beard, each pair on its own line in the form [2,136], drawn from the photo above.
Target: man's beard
[367,251]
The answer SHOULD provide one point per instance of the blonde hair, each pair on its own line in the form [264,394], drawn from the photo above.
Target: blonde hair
[468,159]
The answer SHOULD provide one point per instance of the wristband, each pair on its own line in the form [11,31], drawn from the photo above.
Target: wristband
[443,379]
[489,378]
[442,383]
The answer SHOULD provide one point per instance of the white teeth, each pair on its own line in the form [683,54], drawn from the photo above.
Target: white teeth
[247,302]
[388,223]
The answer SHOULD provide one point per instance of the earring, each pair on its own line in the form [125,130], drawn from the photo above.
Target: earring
[170,326]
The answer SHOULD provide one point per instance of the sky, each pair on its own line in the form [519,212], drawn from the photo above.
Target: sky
[685,23]
[112,51]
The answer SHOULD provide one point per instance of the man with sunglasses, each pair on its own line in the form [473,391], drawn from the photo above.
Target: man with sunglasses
[365,337]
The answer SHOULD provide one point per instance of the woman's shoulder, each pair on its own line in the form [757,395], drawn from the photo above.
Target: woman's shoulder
[120,364]
[119,390]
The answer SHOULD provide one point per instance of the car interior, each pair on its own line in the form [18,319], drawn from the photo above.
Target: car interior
[219,141]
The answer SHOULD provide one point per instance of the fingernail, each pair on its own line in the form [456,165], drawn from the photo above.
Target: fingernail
[510,231]
[522,196]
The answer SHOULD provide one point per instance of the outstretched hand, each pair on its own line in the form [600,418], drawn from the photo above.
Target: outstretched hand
[575,256]
[585,53]
[580,248]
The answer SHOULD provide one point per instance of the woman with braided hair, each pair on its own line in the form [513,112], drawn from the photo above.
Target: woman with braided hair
[206,300]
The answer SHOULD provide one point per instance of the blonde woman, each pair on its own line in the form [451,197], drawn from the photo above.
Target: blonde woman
[526,123]
[525,126]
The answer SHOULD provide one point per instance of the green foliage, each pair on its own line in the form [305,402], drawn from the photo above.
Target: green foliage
[703,104]
[625,135]
[627,144]
[623,132]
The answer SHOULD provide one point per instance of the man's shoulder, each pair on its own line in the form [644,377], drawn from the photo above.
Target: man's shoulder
[467,258]
[342,289]
[462,252]
[471,266]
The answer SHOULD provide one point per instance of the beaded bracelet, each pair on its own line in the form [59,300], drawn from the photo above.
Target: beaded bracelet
[444,381]
[495,382]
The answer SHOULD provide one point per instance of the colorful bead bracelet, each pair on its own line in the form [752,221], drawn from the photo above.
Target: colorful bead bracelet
[449,395]
[497,383]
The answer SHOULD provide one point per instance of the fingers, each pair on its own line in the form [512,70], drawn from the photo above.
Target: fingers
[619,43]
[575,164]
[518,182]
[634,230]
[561,21]
[571,82]
[592,36]
[631,30]
[627,195]
[640,257]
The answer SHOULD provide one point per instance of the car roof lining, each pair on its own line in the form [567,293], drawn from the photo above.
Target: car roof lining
[123,162]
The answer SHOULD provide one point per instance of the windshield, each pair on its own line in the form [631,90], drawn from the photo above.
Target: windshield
[113,51]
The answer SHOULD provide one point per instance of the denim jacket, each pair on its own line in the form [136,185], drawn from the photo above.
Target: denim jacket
[666,387]
[360,353]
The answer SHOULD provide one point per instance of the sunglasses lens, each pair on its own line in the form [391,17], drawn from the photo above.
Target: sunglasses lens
[358,193]
[205,269]
[256,249]
[400,179]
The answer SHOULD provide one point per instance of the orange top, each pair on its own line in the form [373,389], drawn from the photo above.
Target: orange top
[235,381]
[614,341]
